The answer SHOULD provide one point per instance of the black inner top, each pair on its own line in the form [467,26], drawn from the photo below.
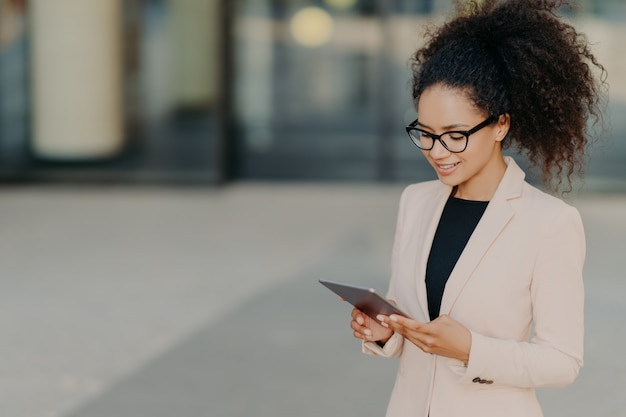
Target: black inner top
[457,223]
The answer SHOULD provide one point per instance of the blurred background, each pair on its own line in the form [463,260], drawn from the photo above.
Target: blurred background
[175,175]
[207,91]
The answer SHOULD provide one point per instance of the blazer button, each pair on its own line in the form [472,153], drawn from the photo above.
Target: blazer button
[482,381]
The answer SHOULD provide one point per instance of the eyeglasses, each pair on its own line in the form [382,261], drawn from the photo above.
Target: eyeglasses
[454,141]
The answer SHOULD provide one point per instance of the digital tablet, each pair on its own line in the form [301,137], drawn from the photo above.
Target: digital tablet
[365,299]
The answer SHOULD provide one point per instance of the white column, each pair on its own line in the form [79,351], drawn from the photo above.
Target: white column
[76,78]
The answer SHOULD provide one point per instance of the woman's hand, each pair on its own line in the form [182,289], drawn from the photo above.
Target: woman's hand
[367,329]
[443,336]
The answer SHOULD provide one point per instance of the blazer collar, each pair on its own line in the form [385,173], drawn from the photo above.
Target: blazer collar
[496,216]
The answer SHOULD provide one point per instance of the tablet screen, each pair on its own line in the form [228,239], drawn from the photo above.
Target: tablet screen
[365,299]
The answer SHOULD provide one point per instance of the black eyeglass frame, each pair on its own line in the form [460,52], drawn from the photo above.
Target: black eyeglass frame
[416,141]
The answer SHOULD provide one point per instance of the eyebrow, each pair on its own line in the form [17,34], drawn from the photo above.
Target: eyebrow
[445,128]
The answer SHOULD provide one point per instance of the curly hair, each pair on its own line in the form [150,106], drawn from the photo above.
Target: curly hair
[517,57]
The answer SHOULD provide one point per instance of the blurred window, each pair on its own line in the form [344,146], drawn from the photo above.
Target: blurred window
[322,89]
[14,103]
[269,89]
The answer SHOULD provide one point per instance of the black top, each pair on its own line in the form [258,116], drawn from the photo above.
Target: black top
[457,223]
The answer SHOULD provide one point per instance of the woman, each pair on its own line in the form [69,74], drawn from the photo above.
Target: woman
[489,268]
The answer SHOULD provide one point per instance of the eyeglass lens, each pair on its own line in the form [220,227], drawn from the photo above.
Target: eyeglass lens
[453,141]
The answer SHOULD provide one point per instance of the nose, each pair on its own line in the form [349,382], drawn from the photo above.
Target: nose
[438,151]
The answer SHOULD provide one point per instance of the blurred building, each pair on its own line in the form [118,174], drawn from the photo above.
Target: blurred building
[203,91]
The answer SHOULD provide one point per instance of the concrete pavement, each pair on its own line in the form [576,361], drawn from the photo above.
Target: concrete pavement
[147,301]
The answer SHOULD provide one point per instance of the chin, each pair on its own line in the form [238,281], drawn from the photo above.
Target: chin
[447,180]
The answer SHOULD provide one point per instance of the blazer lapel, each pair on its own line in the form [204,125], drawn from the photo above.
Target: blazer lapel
[431,215]
[496,216]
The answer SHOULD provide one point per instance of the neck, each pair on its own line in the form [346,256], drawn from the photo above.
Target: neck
[483,186]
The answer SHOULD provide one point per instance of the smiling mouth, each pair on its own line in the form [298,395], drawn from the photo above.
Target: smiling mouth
[448,166]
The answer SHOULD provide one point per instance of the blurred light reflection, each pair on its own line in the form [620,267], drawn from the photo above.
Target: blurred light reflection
[312,26]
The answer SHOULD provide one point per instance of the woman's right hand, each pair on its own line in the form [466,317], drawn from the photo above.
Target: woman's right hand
[367,329]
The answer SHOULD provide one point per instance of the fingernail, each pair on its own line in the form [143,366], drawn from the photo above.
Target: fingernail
[380,317]
[382,323]
[359,320]
[367,332]
[393,317]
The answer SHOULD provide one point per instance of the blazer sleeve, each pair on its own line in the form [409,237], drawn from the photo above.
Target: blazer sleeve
[393,347]
[554,354]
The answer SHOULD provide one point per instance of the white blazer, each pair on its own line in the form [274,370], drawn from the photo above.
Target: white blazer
[521,271]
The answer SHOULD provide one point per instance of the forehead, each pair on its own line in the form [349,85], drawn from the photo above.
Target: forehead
[440,105]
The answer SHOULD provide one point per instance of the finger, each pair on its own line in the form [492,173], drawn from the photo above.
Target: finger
[357,327]
[382,319]
[354,325]
[394,322]
[362,330]
[404,325]
[358,316]
[395,326]
[412,330]
[404,321]
[365,334]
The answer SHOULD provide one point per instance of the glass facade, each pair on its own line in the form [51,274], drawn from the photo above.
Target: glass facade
[322,89]
[168,58]
[262,89]
[14,88]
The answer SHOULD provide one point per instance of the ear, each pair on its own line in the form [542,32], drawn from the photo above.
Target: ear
[503,126]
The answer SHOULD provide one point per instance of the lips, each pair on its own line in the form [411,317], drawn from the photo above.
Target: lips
[448,166]
[446,169]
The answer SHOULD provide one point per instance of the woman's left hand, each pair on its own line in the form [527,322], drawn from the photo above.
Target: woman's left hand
[443,336]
